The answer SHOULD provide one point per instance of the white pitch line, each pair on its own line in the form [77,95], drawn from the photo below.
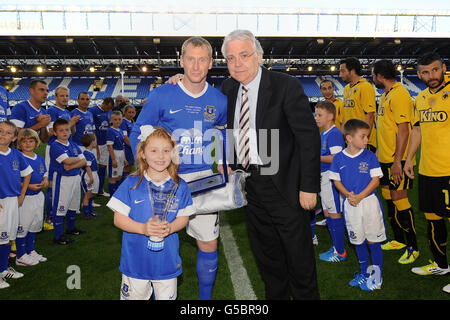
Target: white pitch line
[243,289]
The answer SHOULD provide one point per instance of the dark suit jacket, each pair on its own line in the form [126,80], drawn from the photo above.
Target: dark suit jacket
[282,104]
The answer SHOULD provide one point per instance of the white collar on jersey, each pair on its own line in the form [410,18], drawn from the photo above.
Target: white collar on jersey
[64,144]
[6,153]
[32,158]
[354,155]
[329,129]
[33,106]
[182,87]
[156,183]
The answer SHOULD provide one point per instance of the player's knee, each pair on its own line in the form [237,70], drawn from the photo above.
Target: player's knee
[207,246]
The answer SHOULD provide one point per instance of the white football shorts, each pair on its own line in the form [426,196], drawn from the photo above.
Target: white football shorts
[9,219]
[139,289]
[365,221]
[66,193]
[202,227]
[31,214]
[117,172]
[329,196]
[104,155]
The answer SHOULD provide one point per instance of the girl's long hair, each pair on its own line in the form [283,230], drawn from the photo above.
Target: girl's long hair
[142,164]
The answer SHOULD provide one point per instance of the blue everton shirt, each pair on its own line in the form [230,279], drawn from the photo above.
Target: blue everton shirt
[55,114]
[91,160]
[101,121]
[37,163]
[189,118]
[59,152]
[23,114]
[4,105]
[137,261]
[127,125]
[355,171]
[13,166]
[114,137]
[332,142]
[84,126]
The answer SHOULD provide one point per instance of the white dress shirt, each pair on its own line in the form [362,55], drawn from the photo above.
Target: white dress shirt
[252,93]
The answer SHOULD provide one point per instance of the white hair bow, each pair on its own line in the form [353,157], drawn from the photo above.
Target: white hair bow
[145,132]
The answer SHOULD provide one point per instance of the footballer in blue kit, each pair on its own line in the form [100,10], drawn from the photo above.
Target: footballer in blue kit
[66,159]
[12,192]
[102,117]
[356,173]
[129,113]
[32,209]
[89,175]
[5,111]
[85,124]
[189,118]
[192,111]
[115,143]
[151,207]
[30,114]
[332,142]
[135,203]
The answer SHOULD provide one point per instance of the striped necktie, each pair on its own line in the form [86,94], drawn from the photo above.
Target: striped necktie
[244,126]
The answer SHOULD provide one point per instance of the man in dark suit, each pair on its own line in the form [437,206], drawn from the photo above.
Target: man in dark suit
[278,192]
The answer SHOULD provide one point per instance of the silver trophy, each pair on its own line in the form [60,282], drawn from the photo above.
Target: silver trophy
[161,199]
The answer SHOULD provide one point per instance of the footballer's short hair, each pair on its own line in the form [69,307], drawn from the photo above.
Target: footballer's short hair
[428,58]
[328,106]
[59,122]
[34,82]
[353,125]
[385,68]
[352,64]
[12,125]
[87,139]
[108,101]
[28,133]
[116,113]
[325,81]
[196,42]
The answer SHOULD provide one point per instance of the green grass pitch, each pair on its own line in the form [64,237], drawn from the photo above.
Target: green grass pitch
[97,255]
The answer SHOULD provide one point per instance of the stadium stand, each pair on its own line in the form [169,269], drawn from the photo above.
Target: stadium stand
[139,87]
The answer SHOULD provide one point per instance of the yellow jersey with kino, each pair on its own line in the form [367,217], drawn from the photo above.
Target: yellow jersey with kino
[359,100]
[339,104]
[432,111]
[396,106]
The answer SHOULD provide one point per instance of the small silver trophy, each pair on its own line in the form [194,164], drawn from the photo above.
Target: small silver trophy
[161,199]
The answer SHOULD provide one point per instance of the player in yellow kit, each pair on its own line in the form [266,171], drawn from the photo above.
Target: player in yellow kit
[359,97]
[432,132]
[327,90]
[394,124]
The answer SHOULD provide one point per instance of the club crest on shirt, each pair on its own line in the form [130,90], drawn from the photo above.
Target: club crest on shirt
[210,113]
[41,169]
[15,165]
[363,167]
[4,235]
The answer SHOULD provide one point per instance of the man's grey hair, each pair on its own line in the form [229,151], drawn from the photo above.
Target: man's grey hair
[241,35]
